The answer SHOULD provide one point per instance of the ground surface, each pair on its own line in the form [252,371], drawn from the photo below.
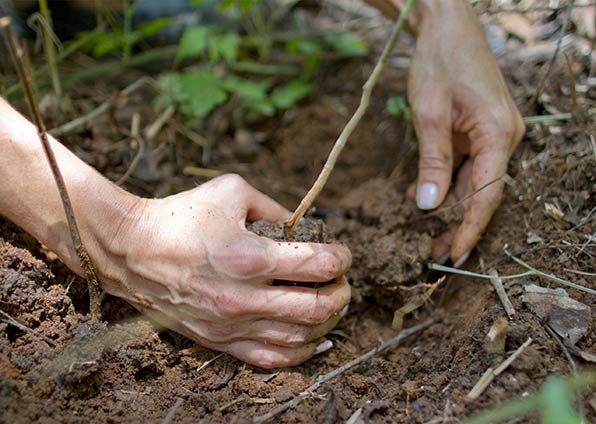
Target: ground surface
[59,365]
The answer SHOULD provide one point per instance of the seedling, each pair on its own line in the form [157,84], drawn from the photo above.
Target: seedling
[367,89]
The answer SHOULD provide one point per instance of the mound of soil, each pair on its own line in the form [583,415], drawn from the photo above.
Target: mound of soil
[57,364]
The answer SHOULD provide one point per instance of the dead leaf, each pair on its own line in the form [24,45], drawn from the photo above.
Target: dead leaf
[553,211]
[494,342]
[586,356]
[567,317]
[414,303]
[534,238]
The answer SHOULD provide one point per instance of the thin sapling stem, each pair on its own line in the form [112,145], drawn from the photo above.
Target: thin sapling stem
[367,89]
[24,71]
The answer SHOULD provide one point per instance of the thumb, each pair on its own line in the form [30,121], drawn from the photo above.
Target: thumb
[435,164]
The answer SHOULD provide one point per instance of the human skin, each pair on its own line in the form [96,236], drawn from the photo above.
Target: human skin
[187,260]
[465,118]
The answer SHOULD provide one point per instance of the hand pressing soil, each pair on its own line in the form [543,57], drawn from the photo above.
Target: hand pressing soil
[308,230]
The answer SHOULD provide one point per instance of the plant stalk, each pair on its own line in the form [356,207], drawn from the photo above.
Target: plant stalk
[367,89]
[49,48]
[24,71]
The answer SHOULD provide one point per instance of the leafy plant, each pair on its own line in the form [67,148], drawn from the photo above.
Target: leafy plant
[554,402]
[243,61]
[398,106]
[99,44]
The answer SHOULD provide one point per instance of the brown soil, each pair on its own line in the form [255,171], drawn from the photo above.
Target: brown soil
[59,365]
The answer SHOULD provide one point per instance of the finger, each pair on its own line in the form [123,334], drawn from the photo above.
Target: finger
[442,245]
[245,256]
[435,165]
[411,191]
[289,304]
[289,335]
[488,166]
[309,262]
[261,206]
[463,185]
[270,356]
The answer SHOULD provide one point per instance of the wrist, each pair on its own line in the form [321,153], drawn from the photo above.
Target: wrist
[29,197]
[432,15]
[107,217]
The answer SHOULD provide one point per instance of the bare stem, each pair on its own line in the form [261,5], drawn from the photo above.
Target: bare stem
[367,89]
[24,72]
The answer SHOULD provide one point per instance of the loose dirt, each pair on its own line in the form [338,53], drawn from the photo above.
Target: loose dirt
[59,365]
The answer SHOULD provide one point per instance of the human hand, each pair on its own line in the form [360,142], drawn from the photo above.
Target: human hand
[190,264]
[464,117]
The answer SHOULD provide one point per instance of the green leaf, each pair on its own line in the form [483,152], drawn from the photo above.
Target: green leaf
[557,403]
[202,92]
[262,107]
[150,28]
[307,47]
[224,45]
[253,94]
[245,88]
[397,106]
[168,85]
[192,43]
[290,94]
[348,43]
[107,43]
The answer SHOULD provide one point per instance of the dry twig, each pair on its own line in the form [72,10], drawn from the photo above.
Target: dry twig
[136,137]
[79,122]
[367,89]
[24,72]
[168,419]
[292,403]
[553,58]
[11,321]
[500,290]
[531,272]
[490,374]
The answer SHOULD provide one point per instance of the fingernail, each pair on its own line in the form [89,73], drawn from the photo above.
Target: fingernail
[462,259]
[427,195]
[443,259]
[323,347]
[344,311]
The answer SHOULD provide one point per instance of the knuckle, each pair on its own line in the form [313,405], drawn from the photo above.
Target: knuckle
[218,333]
[232,182]
[247,258]
[328,266]
[230,306]
[433,162]
[429,116]
[250,264]
[296,338]
[320,313]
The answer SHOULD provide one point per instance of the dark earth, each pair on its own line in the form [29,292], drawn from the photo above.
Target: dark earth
[58,364]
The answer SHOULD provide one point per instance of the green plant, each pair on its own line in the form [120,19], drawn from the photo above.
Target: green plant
[222,58]
[245,61]
[118,39]
[554,402]
[398,106]
[49,47]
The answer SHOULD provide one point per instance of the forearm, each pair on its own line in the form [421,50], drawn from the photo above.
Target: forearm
[425,13]
[29,197]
